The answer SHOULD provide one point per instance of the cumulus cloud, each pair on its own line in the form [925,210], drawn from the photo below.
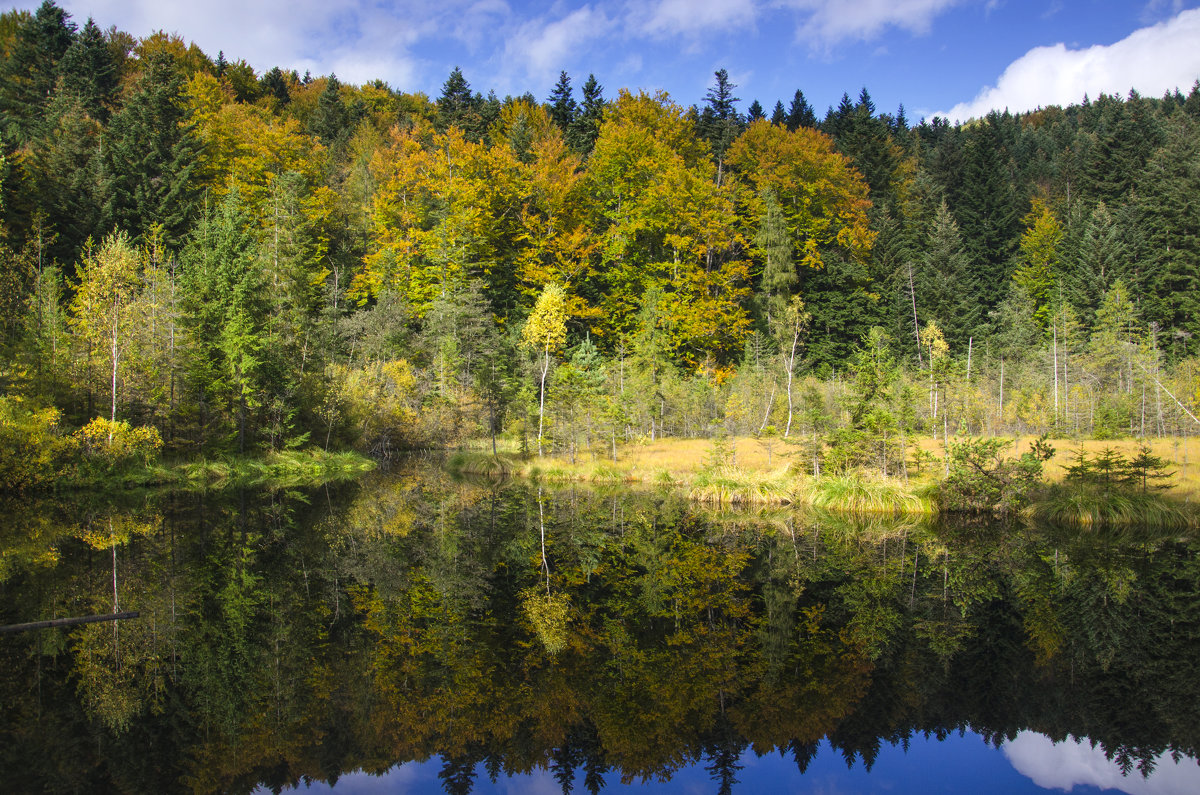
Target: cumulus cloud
[1063,765]
[827,22]
[1151,60]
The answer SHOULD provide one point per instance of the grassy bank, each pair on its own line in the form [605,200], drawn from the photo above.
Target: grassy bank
[772,473]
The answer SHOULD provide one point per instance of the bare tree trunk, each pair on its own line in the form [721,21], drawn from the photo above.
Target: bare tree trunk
[790,372]
[542,399]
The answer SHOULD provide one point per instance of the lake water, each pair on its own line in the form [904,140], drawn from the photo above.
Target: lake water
[413,633]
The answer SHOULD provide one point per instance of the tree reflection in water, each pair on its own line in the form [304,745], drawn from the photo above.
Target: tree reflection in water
[289,636]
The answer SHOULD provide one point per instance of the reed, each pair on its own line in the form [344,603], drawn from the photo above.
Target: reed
[859,493]
[1092,507]
[733,485]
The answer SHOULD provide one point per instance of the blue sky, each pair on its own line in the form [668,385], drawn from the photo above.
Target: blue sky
[960,57]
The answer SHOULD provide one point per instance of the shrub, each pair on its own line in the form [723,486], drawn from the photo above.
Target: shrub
[981,480]
[31,447]
[113,446]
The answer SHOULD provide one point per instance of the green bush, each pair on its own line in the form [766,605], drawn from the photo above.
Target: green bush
[980,480]
[32,448]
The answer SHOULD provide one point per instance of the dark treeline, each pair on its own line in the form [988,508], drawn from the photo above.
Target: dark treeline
[286,636]
[245,261]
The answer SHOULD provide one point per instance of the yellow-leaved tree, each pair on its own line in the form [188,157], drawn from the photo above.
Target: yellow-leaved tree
[546,333]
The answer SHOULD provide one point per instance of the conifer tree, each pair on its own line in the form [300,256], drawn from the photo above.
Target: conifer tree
[27,77]
[779,115]
[563,109]
[800,113]
[88,72]
[150,159]
[586,129]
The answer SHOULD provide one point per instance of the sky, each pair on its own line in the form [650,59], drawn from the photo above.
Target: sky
[1029,763]
[955,58]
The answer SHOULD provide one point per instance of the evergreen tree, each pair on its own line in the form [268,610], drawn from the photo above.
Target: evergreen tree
[1168,220]
[586,129]
[28,76]
[720,122]
[779,269]
[275,85]
[985,207]
[330,121]
[88,72]
[779,115]
[755,112]
[225,311]
[458,107]
[563,109]
[800,113]
[150,158]
[939,289]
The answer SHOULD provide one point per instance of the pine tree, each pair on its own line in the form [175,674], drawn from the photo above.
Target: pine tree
[330,121]
[150,159]
[800,114]
[586,129]
[563,109]
[755,112]
[28,76]
[88,72]
[779,115]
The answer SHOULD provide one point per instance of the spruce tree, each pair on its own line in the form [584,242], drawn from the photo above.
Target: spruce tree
[586,128]
[150,158]
[779,115]
[800,113]
[1168,220]
[330,121]
[563,109]
[755,112]
[28,76]
[88,72]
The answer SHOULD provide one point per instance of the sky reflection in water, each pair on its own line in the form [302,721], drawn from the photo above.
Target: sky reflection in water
[1030,763]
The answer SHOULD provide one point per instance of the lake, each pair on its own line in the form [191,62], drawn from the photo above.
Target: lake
[409,632]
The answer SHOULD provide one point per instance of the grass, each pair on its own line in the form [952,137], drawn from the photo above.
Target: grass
[754,476]
[731,485]
[863,493]
[1092,507]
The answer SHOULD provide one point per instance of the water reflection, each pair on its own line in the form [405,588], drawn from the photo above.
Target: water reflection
[582,638]
[1071,763]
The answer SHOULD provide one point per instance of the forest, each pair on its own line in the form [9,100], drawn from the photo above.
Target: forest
[199,260]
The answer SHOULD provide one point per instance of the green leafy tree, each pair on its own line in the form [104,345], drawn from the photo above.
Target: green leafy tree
[104,307]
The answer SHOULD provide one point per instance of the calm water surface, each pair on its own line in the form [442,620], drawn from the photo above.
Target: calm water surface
[406,633]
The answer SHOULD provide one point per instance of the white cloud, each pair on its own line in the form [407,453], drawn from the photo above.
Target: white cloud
[831,21]
[544,48]
[1063,765]
[696,17]
[1151,60]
